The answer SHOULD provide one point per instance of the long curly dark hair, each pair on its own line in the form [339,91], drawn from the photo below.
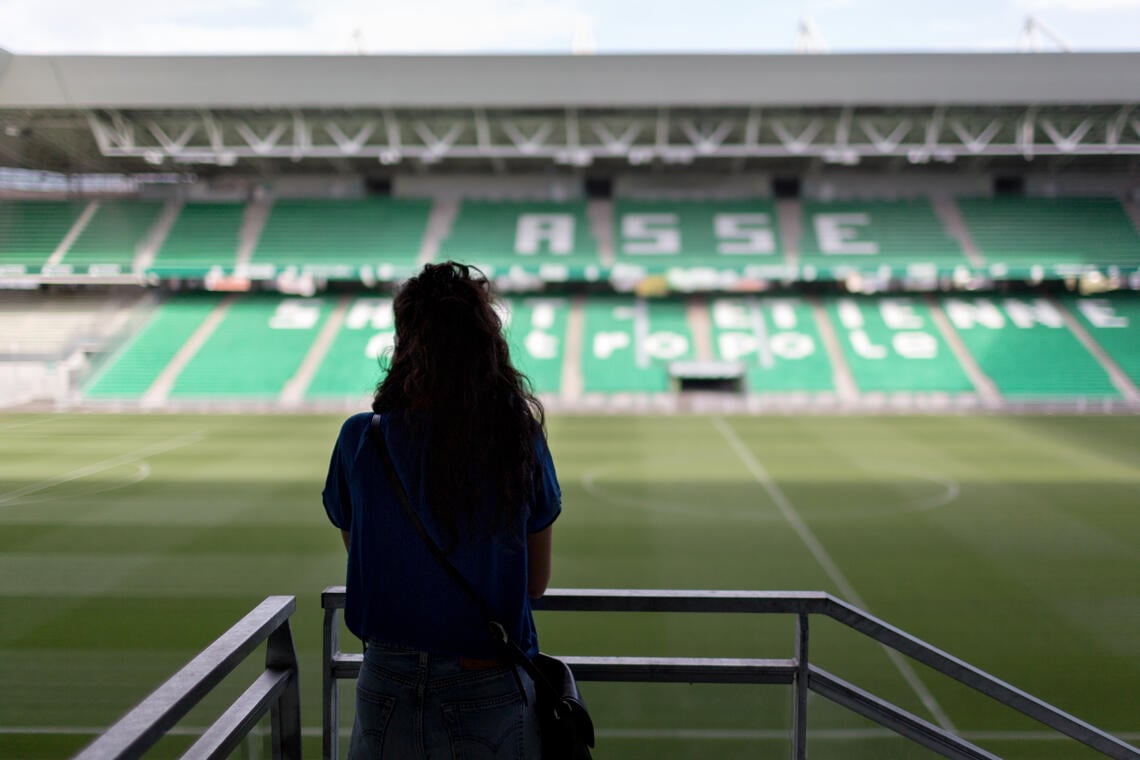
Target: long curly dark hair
[450,375]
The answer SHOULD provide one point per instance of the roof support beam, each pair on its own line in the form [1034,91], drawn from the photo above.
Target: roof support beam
[350,146]
[976,143]
[1067,143]
[797,144]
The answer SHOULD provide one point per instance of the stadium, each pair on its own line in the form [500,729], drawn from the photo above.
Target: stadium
[858,324]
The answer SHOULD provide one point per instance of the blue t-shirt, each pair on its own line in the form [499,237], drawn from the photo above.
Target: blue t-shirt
[397,592]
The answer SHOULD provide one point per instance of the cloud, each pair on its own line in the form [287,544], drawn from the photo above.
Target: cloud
[286,26]
[1077,5]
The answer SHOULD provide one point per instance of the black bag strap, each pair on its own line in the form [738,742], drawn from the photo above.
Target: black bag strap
[496,629]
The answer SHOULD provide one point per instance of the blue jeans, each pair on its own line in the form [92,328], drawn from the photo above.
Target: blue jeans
[411,704]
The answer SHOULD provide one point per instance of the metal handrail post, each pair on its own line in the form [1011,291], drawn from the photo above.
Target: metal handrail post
[285,714]
[330,746]
[800,690]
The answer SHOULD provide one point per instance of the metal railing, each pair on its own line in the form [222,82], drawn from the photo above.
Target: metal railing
[275,691]
[797,672]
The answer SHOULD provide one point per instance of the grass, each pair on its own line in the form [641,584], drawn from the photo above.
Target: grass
[127,543]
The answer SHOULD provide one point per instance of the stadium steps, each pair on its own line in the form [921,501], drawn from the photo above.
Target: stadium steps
[1027,234]
[131,369]
[842,378]
[789,215]
[440,220]
[252,225]
[350,367]
[1122,382]
[31,230]
[1026,348]
[158,392]
[951,217]
[115,234]
[150,245]
[572,383]
[776,340]
[697,312]
[203,235]
[1132,208]
[893,348]
[987,391]
[75,231]
[297,385]
[601,216]
[1116,327]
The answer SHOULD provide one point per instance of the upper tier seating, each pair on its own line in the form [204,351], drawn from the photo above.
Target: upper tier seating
[113,235]
[720,234]
[869,234]
[30,231]
[203,235]
[326,234]
[1022,232]
[496,235]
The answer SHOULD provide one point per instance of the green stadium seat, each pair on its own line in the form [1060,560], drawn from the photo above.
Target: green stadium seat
[1024,346]
[776,339]
[204,235]
[352,366]
[536,332]
[628,344]
[865,235]
[498,235]
[255,350]
[30,231]
[892,345]
[1113,320]
[325,235]
[114,233]
[130,371]
[1020,233]
[658,235]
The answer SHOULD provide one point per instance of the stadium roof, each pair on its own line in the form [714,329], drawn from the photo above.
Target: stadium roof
[544,81]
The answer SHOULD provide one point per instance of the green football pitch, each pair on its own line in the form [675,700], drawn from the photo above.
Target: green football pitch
[128,543]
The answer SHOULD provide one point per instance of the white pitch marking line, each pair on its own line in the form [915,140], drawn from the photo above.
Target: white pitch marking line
[106,464]
[28,423]
[788,510]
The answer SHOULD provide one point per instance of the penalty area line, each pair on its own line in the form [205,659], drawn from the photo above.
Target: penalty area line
[106,464]
[796,520]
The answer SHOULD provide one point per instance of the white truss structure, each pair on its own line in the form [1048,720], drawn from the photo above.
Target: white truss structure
[577,137]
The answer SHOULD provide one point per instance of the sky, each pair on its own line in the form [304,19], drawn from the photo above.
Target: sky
[552,26]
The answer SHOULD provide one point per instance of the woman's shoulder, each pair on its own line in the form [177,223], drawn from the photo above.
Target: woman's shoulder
[354,426]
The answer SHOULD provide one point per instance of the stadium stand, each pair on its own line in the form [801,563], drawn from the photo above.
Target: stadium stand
[1114,323]
[867,234]
[352,367]
[1020,233]
[892,345]
[1025,347]
[496,235]
[629,343]
[722,234]
[203,235]
[113,234]
[536,333]
[30,231]
[130,371]
[254,351]
[328,234]
[777,340]
[32,324]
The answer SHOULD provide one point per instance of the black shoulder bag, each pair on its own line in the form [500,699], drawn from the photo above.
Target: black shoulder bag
[566,727]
